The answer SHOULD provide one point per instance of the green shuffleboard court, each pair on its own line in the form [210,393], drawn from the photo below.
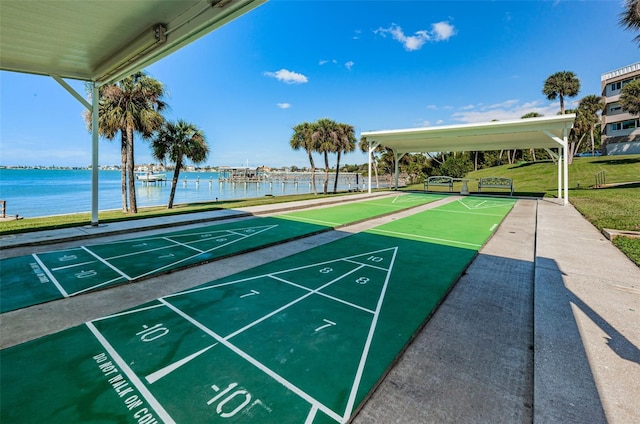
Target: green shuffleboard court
[300,340]
[42,277]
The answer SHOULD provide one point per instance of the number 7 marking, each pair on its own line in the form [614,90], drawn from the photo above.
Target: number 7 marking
[328,324]
[251,293]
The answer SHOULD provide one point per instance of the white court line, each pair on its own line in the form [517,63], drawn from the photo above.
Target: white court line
[183,245]
[315,221]
[312,415]
[95,287]
[493,227]
[394,206]
[470,212]
[140,252]
[369,265]
[374,230]
[263,228]
[72,265]
[50,275]
[330,261]
[203,251]
[489,206]
[214,286]
[287,384]
[367,345]
[106,263]
[133,311]
[133,378]
[353,305]
[288,305]
[162,372]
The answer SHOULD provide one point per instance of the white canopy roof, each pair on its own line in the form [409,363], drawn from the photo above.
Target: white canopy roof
[104,40]
[543,132]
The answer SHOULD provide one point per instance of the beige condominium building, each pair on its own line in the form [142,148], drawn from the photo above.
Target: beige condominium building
[620,129]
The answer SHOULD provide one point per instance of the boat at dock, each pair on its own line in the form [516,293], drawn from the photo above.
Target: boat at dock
[151,177]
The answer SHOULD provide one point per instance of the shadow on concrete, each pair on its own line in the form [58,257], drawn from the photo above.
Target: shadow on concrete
[565,389]
[615,340]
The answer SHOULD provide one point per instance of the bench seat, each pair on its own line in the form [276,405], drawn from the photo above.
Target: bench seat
[495,182]
[438,180]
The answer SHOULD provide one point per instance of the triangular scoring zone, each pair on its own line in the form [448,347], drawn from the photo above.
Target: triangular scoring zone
[476,204]
[382,260]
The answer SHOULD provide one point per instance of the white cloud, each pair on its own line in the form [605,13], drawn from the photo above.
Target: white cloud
[284,105]
[349,65]
[440,31]
[509,109]
[288,77]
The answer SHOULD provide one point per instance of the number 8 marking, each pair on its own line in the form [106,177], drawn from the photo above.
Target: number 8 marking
[326,270]
[362,280]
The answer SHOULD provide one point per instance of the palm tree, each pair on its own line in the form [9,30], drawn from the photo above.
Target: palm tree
[578,132]
[630,97]
[630,18]
[560,85]
[590,106]
[324,135]
[301,139]
[177,141]
[128,106]
[345,143]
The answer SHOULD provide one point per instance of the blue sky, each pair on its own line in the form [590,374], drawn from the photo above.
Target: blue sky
[372,64]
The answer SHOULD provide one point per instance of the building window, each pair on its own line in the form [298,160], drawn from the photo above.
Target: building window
[615,107]
[624,125]
[615,86]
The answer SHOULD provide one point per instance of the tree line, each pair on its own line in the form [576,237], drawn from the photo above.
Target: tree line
[560,86]
[324,136]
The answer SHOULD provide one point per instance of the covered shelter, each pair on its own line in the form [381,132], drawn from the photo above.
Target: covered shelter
[103,41]
[545,132]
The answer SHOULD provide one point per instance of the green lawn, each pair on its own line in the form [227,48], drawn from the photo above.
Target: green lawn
[80,219]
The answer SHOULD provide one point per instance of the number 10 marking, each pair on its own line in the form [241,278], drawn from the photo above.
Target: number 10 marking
[244,397]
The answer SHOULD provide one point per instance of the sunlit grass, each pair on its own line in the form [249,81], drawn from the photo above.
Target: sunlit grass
[614,207]
[82,219]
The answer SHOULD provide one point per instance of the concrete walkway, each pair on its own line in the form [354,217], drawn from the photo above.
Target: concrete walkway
[544,326]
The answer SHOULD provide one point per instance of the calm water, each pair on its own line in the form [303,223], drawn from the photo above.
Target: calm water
[42,192]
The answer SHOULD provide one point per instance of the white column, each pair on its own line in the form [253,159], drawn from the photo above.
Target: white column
[372,146]
[396,170]
[566,168]
[559,175]
[94,155]
[93,108]
[369,169]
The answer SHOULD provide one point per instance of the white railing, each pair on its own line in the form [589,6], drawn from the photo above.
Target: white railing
[621,71]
